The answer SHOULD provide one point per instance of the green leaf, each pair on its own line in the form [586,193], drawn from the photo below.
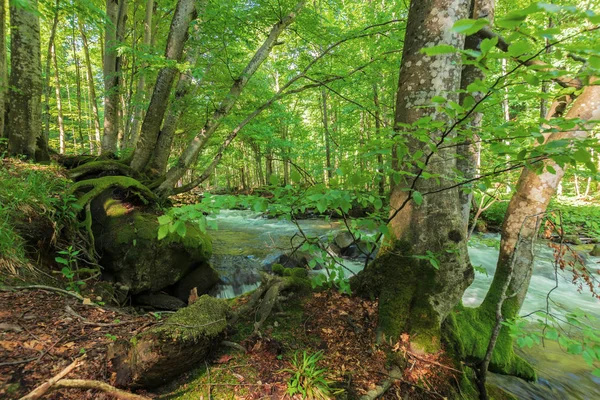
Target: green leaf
[469,26]
[165,219]
[518,48]
[378,203]
[181,229]
[417,197]
[551,169]
[488,44]
[594,62]
[61,260]
[441,49]
[274,180]
[322,205]
[551,334]
[163,231]
[295,175]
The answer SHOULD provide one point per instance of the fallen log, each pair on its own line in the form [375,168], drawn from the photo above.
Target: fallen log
[159,354]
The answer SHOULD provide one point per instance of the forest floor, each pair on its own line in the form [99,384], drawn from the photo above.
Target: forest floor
[42,332]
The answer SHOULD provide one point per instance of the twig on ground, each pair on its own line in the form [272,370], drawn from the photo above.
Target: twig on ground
[41,287]
[97,385]
[85,321]
[43,388]
[234,346]
[25,361]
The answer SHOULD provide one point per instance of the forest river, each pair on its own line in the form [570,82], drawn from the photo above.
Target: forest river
[245,242]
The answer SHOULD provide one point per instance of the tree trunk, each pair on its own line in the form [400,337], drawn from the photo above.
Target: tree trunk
[91,88]
[46,88]
[164,143]
[329,173]
[141,83]
[59,111]
[78,86]
[116,13]
[530,199]
[3,70]
[182,18]
[468,152]
[25,83]
[416,294]
[380,166]
[199,141]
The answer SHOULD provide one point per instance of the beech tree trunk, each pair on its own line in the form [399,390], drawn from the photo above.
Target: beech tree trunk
[531,198]
[199,141]
[47,87]
[141,83]
[417,293]
[184,13]
[91,89]
[59,111]
[25,84]
[116,12]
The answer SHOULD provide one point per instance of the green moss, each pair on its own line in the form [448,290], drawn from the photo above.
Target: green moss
[97,186]
[467,333]
[205,318]
[278,269]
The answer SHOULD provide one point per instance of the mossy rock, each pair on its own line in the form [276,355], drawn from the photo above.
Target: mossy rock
[130,252]
[156,356]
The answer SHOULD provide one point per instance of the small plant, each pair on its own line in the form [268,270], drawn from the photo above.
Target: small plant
[111,336]
[307,379]
[68,258]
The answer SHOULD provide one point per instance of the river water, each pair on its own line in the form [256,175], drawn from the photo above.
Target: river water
[244,242]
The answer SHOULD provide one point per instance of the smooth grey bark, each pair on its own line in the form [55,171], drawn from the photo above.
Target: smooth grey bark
[184,14]
[92,89]
[46,88]
[174,112]
[25,83]
[140,91]
[380,166]
[468,152]
[199,141]
[59,111]
[116,12]
[415,296]
[3,69]
[533,194]
[78,88]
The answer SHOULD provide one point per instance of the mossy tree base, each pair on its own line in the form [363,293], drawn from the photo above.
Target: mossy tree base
[467,333]
[158,355]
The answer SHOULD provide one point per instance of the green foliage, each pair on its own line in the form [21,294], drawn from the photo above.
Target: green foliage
[29,193]
[68,259]
[576,333]
[308,379]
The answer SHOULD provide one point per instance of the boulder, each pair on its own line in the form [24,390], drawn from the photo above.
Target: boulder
[343,239]
[130,252]
[203,278]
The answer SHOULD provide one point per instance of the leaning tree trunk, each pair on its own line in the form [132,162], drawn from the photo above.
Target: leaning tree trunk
[25,84]
[534,192]
[416,294]
[182,18]
[116,12]
[190,154]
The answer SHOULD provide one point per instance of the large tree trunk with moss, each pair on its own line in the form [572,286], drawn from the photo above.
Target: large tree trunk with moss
[416,294]
[24,123]
[156,356]
[184,13]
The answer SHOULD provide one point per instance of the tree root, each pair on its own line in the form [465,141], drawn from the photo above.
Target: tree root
[263,300]
[43,388]
[394,375]
[98,185]
[96,168]
[97,385]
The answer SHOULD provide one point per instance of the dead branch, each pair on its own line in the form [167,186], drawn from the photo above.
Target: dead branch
[85,321]
[43,388]
[41,287]
[97,385]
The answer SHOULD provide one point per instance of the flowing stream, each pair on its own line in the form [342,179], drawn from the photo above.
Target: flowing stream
[245,242]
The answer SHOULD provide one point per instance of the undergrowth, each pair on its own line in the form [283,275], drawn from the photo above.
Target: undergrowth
[28,192]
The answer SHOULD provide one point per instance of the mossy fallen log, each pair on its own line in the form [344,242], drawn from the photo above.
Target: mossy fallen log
[95,169]
[156,356]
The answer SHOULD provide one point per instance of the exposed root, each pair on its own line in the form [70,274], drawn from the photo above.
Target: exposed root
[98,185]
[394,375]
[43,388]
[106,167]
[98,385]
